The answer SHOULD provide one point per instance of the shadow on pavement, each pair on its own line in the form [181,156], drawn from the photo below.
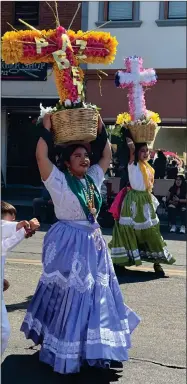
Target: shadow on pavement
[26,369]
[131,276]
[18,306]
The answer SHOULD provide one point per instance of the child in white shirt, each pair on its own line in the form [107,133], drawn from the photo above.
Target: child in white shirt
[12,233]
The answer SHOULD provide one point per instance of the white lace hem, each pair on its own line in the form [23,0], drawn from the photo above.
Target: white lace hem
[67,349]
[74,280]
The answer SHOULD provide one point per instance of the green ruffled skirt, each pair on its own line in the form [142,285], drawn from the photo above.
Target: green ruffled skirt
[136,236]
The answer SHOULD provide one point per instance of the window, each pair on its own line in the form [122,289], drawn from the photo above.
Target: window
[172,13]
[176,10]
[27,11]
[121,13]
[119,10]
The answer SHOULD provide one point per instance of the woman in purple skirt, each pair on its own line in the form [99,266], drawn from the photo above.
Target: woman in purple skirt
[77,313]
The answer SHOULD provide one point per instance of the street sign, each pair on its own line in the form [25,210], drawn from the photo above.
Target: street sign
[24,72]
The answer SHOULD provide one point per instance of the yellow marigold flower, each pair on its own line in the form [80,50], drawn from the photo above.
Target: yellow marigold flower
[154,117]
[127,117]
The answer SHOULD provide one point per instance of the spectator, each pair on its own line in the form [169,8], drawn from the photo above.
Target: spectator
[177,200]
[43,207]
[160,165]
[172,171]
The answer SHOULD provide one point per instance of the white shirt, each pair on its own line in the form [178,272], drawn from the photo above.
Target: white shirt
[9,238]
[136,178]
[66,204]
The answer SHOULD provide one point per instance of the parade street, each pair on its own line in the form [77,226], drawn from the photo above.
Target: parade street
[158,344]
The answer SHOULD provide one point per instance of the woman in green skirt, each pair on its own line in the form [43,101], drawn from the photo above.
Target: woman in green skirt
[136,235]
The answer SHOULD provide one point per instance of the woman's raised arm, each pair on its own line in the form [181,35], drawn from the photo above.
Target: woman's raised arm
[105,160]
[44,164]
[131,149]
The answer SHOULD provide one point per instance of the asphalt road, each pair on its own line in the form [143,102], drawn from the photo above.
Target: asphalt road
[158,354]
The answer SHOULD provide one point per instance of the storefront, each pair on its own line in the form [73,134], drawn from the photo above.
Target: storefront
[24,87]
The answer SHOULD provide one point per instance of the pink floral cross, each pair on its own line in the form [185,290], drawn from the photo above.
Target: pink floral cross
[135,78]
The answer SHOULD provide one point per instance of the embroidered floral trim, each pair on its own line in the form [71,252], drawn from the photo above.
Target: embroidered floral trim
[97,239]
[130,254]
[50,253]
[136,254]
[133,209]
[72,281]
[130,222]
[147,211]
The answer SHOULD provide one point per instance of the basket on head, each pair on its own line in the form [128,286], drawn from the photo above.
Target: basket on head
[143,133]
[79,124]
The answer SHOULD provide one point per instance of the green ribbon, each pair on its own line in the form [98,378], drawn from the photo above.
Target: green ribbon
[78,190]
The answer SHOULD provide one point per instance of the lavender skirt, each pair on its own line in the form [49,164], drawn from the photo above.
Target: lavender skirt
[77,313]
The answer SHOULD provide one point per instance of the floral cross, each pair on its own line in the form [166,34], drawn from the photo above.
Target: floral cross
[65,50]
[135,78]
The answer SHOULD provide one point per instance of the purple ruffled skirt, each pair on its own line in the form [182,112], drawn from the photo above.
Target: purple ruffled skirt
[77,313]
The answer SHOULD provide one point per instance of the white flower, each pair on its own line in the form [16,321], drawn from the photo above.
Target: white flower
[43,110]
[67,103]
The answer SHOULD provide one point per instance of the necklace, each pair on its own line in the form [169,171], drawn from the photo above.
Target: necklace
[89,195]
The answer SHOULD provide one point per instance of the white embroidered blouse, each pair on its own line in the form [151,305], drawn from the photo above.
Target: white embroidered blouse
[137,182]
[66,204]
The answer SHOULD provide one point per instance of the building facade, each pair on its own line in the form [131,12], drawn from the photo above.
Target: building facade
[154,30]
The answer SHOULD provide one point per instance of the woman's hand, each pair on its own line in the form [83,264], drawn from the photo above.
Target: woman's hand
[47,121]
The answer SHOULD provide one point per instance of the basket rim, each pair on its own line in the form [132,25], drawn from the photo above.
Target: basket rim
[141,125]
[70,110]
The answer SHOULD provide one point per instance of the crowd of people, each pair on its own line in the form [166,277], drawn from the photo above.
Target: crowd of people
[166,167]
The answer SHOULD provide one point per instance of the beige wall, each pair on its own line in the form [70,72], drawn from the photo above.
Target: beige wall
[172,139]
[159,47]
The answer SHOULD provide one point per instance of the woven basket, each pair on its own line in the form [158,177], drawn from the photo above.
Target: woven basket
[79,124]
[143,133]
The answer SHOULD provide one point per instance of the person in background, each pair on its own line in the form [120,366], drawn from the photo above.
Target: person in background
[42,206]
[177,200]
[12,233]
[136,233]
[172,171]
[160,165]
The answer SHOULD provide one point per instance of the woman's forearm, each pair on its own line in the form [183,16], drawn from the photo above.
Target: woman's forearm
[41,149]
[44,164]
[106,157]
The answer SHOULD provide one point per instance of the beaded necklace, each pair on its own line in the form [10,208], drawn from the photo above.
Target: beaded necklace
[89,195]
